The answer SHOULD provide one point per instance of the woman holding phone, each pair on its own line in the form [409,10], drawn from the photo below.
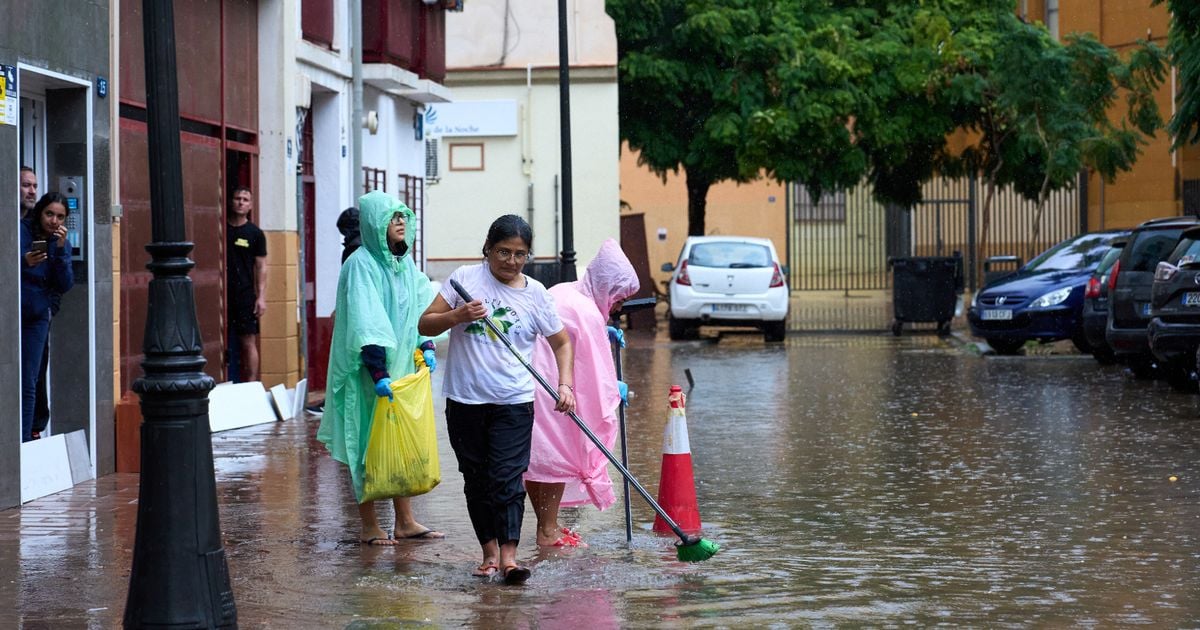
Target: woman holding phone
[45,270]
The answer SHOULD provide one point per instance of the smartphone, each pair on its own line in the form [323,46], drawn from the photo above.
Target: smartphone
[38,246]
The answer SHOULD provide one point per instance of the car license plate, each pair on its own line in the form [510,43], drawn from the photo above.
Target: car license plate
[729,308]
[1144,309]
[994,314]
[1191,299]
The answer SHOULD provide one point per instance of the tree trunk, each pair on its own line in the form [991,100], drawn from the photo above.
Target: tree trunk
[1043,196]
[697,190]
[987,209]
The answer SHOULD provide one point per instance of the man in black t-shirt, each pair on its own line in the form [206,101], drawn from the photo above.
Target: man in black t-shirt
[245,285]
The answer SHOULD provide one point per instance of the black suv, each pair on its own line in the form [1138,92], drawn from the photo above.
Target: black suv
[1095,303]
[1129,286]
[1174,330]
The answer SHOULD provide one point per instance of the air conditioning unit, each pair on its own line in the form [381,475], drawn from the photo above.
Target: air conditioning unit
[432,167]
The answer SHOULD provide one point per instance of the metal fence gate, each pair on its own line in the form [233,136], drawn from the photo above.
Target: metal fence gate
[843,241]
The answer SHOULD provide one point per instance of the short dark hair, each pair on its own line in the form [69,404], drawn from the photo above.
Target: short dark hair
[245,189]
[28,169]
[506,227]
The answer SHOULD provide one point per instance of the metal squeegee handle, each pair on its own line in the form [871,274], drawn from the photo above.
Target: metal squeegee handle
[458,288]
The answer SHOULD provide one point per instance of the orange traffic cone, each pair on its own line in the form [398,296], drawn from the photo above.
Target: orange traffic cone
[676,484]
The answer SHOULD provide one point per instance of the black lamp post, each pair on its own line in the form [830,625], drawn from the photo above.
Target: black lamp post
[179,577]
[567,257]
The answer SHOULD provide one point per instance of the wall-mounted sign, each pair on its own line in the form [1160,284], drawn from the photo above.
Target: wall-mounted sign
[8,95]
[471,118]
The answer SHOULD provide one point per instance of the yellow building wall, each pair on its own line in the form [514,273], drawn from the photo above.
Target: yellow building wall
[279,328]
[755,209]
[1151,189]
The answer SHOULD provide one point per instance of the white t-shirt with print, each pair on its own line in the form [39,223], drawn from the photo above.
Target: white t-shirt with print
[480,368]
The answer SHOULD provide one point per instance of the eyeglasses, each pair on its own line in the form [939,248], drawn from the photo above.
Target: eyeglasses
[398,218]
[505,255]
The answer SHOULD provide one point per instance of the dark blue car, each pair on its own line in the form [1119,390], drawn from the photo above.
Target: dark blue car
[1043,300]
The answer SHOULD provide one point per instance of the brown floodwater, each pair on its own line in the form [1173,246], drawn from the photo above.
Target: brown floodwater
[850,480]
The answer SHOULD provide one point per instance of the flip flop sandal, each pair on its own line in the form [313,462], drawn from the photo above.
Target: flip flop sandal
[486,570]
[428,534]
[375,542]
[515,574]
[573,538]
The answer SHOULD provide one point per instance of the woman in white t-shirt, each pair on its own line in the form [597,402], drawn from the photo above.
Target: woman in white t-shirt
[489,393]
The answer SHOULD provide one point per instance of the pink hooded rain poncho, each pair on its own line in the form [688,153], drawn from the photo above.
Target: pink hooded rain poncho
[560,452]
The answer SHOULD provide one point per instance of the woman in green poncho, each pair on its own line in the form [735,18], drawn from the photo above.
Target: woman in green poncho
[380,297]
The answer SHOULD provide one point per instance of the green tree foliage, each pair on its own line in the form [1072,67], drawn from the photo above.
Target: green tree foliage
[1183,46]
[1038,111]
[825,92]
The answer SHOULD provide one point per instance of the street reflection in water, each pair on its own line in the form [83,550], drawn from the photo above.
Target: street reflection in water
[848,479]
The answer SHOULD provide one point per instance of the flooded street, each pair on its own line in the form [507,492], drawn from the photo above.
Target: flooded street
[860,479]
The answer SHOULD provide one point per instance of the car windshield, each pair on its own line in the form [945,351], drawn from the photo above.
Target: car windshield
[1083,252]
[729,255]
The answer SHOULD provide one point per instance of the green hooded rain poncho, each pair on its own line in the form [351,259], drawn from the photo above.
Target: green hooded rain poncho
[380,297]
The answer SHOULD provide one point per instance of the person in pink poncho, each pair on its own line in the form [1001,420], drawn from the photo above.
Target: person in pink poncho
[565,469]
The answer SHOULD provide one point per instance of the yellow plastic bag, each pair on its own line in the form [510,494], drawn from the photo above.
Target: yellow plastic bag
[402,453]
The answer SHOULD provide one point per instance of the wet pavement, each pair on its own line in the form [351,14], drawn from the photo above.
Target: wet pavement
[850,480]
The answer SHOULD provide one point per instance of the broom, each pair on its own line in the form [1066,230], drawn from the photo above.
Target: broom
[689,548]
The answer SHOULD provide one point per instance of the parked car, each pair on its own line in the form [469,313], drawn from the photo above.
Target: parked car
[1174,329]
[1095,303]
[1129,287]
[727,281]
[1043,300]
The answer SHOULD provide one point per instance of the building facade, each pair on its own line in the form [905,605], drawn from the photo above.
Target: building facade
[55,118]
[496,150]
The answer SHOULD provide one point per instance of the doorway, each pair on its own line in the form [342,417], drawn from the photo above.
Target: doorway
[56,141]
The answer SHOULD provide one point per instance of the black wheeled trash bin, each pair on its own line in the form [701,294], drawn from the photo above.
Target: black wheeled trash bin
[925,289]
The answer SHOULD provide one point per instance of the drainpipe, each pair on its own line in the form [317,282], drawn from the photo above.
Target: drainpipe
[527,142]
[356,100]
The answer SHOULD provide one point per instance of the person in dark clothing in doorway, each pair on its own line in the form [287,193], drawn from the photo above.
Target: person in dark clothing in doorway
[347,224]
[45,270]
[245,284]
[41,405]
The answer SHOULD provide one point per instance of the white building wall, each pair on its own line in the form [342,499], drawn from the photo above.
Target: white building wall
[278,27]
[463,203]
[393,148]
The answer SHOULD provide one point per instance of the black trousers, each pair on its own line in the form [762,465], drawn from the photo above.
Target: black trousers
[491,443]
[41,405]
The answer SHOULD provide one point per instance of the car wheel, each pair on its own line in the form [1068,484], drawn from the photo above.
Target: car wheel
[1180,379]
[1142,367]
[775,332]
[1006,346]
[1079,339]
[1104,355]
[681,329]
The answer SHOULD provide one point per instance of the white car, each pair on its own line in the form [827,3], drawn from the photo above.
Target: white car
[727,281]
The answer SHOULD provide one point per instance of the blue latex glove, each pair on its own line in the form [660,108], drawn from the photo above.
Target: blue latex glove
[383,387]
[616,335]
[623,389]
[430,360]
